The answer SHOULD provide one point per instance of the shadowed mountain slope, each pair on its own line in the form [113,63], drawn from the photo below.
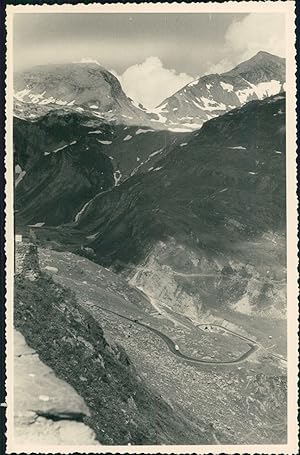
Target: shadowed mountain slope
[63,160]
[220,198]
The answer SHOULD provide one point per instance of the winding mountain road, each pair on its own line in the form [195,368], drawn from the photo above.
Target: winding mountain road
[172,346]
[253,345]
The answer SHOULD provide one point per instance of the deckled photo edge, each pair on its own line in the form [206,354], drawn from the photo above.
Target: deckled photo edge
[292,203]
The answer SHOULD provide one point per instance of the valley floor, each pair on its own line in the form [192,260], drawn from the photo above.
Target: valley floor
[208,372]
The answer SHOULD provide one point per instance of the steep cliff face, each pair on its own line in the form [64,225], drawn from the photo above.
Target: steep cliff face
[122,409]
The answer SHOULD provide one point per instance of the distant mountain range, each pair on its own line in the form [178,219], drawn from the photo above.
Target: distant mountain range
[91,89]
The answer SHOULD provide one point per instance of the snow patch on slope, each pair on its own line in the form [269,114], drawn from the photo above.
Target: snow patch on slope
[117,177]
[265,89]
[210,105]
[78,215]
[179,130]
[41,224]
[27,96]
[158,111]
[195,82]
[197,105]
[237,147]
[104,142]
[127,138]
[20,174]
[261,90]
[227,87]
[142,131]
[61,148]
[155,153]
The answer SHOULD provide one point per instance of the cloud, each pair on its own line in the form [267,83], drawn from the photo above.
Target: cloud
[150,83]
[217,68]
[257,32]
[243,39]
[87,60]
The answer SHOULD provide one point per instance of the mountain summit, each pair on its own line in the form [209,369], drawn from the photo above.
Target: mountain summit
[81,87]
[262,67]
[212,95]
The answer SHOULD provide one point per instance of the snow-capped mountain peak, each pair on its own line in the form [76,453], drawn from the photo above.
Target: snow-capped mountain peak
[212,95]
[84,87]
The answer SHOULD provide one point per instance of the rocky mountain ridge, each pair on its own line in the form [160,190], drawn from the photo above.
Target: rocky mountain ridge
[76,87]
[212,95]
[90,89]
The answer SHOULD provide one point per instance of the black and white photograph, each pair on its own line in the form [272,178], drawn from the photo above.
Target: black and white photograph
[151,228]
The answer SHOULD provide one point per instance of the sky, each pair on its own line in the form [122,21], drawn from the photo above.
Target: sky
[154,54]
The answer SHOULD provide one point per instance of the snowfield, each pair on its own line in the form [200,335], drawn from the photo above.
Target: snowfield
[227,87]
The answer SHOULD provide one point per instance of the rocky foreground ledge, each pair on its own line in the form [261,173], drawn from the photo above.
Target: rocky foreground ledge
[47,410]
